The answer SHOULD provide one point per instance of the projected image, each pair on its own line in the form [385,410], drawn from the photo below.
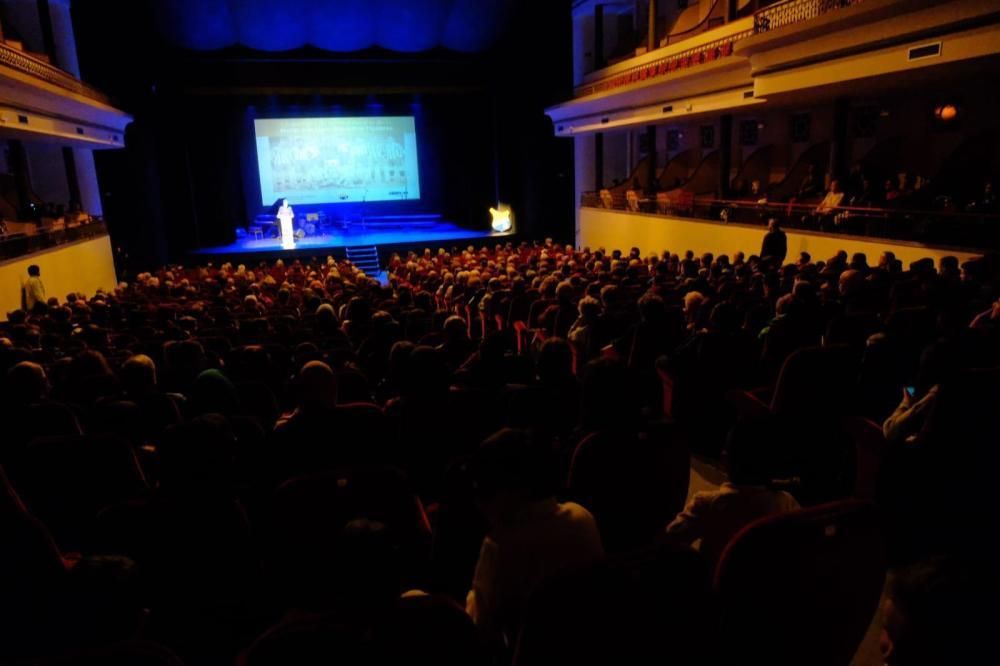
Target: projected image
[337,160]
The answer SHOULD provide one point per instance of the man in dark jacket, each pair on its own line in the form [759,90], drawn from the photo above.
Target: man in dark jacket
[775,245]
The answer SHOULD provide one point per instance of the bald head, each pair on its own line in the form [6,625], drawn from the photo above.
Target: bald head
[851,281]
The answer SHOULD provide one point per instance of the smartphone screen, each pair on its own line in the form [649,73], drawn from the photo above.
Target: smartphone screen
[911,390]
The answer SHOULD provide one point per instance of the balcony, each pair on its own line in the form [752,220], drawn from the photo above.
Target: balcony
[708,40]
[707,47]
[41,101]
[969,231]
[37,66]
[24,239]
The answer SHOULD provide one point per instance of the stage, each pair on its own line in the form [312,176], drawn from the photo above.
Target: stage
[386,237]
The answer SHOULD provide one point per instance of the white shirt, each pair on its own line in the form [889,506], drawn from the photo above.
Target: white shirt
[544,539]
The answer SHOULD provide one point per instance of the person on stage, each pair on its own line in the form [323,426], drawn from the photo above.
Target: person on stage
[285,217]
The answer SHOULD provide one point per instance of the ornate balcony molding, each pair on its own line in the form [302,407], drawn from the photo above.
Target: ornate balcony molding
[795,11]
[666,66]
[39,69]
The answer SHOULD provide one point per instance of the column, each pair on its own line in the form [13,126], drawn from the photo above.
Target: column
[64,40]
[583,172]
[82,158]
[86,174]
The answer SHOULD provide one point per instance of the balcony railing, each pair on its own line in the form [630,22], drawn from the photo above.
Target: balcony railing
[666,66]
[795,11]
[19,244]
[769,18]
[23,62]
[977,231]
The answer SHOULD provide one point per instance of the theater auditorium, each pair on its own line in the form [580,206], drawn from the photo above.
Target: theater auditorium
[499,332]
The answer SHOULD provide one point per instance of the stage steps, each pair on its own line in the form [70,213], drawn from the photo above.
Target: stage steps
[366,258]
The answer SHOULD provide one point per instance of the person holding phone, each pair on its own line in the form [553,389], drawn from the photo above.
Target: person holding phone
[905,422]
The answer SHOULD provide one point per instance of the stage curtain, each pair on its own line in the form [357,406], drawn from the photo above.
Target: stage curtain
[341,25]
[473,23]
[348,25]
[200,25]
[267,25]
[404,25]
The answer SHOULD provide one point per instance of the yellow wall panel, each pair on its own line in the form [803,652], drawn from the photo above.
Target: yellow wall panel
[654,233]
[83,267]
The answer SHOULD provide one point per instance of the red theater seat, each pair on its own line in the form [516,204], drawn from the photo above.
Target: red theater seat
[802,587]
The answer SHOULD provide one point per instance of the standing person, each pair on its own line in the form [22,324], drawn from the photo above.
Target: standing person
[775,245]
[285,217]
[34,290]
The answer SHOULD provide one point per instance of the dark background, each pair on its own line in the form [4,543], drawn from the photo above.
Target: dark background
[188,176]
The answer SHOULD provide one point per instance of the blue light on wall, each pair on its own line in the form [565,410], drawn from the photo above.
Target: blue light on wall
[333,25]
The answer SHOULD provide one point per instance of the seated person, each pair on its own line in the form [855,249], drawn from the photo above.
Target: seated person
[531,536]
[865,195]
[810,186]
[714,517]
[986,203]
[832,199]
[932,614]
[826,211]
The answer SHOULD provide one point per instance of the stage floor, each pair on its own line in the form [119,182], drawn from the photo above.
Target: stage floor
[396,235]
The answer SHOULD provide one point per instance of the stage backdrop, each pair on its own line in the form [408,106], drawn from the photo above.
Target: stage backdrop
[337,160]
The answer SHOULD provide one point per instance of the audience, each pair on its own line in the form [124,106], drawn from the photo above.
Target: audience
[714,517]
[260,463]
[934,613]
[531,537]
